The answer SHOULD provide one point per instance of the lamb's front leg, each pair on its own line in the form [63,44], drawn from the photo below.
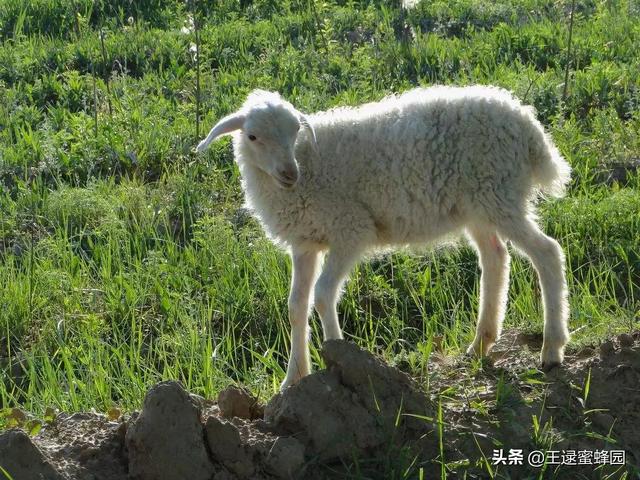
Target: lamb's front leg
[305,268]
[494,285]
[327,291]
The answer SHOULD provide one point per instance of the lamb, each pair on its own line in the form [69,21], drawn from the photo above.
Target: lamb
[408,170]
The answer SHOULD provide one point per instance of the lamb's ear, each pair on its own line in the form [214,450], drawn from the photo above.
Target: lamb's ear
[225,126]
[305,123]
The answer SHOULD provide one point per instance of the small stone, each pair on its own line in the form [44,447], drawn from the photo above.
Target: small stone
[625,340]
[286,457]
[224,475]
[226,447]
[607,349]
[197,399]
[224,439]
[238,402]
[602,420]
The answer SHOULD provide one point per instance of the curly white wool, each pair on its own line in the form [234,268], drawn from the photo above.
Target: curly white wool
[410,169]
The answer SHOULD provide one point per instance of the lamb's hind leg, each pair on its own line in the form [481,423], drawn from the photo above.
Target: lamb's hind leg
[548,260]
[305,268]
[494,286]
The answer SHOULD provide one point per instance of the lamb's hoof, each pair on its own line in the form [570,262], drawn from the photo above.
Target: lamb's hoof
[551,358]
[476,349]
[290,381]
[548,366]
[472,352]
[287,383]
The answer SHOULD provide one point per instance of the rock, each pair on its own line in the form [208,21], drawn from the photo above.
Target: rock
[224,475]
[198,400]
[607,349]
[247,450]
[385,391]
[325,416]
[238,402]
[603,421]
[625,340]
[23,460]
[285,458]
[349,408]
[226,447]
[166,440]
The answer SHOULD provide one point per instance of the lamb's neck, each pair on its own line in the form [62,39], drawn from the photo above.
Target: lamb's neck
[259,187]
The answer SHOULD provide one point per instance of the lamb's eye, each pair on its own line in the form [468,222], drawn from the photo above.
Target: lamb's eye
[252,137]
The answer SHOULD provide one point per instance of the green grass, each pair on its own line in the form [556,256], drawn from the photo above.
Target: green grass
[125,259]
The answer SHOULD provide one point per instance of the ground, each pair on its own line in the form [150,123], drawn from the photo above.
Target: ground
[360,416]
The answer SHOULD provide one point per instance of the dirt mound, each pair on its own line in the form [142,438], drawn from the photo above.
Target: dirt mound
[165,440]
[360,411]
[610,395]
[22,459]
[591,405]
[352,407]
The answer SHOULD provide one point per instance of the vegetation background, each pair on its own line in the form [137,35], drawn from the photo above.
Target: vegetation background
[125,259]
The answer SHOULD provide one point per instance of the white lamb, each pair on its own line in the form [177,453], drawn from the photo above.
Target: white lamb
[409,169]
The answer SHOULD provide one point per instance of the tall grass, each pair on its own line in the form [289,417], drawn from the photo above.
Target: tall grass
[123,261]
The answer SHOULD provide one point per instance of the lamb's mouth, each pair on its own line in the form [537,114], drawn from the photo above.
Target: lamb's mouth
[285,183]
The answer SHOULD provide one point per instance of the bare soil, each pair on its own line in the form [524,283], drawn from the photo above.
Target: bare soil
[362,418]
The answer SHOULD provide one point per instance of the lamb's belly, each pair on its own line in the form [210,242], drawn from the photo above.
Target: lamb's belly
[414,223]
[401,230]
[413,214]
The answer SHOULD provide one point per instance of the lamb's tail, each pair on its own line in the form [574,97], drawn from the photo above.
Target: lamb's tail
[551,172]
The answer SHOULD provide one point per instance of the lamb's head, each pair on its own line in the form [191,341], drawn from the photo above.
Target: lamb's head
[267,127]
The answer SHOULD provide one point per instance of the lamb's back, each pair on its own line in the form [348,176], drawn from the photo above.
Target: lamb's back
[412,158]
